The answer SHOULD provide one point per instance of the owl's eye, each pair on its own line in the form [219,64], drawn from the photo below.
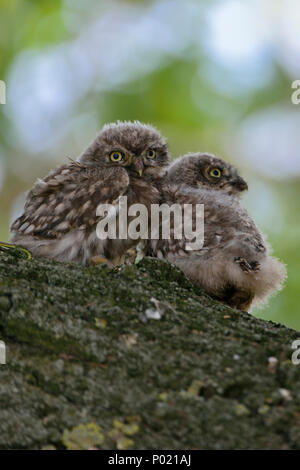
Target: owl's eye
[215,172]
[151,154]
[116,156]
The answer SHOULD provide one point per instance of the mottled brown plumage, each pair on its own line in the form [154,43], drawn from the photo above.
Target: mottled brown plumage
[234,264]
[59,219]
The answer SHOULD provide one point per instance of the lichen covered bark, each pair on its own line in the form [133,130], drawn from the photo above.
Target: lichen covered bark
[136,357]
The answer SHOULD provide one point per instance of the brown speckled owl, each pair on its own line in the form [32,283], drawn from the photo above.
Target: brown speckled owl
[59,219]
[206,171]
[234,264]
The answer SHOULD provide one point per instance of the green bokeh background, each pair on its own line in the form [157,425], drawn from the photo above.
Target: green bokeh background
[71,66]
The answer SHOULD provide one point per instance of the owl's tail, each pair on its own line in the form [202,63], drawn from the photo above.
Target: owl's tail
[261,283]
[223,278]
[269,280]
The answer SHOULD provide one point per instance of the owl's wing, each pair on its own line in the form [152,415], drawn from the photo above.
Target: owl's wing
[224,222]
[68,198]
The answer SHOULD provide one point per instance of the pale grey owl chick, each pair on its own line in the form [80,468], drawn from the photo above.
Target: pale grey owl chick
[234,264]
[59,219]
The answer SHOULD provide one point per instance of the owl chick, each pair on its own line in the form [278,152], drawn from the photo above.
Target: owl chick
[207,171]
[234,264]
[59,219]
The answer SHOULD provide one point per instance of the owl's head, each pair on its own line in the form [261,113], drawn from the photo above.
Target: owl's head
[208,171]
[138,148]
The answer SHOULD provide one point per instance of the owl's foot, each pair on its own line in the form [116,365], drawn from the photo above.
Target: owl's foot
[95,260]
[253,266]
[140,251]
[136,254]
[130,256]
[8,246]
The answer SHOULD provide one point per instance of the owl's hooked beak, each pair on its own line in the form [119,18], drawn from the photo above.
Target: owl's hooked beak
[240,184]
[138,166]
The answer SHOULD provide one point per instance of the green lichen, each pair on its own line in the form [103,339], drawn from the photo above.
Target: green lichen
[84,436]
[122,431]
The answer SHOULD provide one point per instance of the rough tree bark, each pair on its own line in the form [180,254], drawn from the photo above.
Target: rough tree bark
[137,358]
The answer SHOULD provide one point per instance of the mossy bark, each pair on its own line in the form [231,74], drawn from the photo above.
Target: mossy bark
[137,357]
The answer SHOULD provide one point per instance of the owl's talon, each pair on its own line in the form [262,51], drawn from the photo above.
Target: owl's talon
[95,260]
[130,256]
[254,266]
[244,265]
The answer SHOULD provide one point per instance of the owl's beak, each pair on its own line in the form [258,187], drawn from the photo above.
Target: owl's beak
[240,184]
[138,166]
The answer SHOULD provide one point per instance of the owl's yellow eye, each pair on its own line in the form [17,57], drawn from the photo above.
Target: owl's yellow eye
[215,172]
[151,154]
[116,156]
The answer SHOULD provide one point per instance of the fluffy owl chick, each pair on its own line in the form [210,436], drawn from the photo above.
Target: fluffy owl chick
[206,171]
[234,265]
[59,219]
